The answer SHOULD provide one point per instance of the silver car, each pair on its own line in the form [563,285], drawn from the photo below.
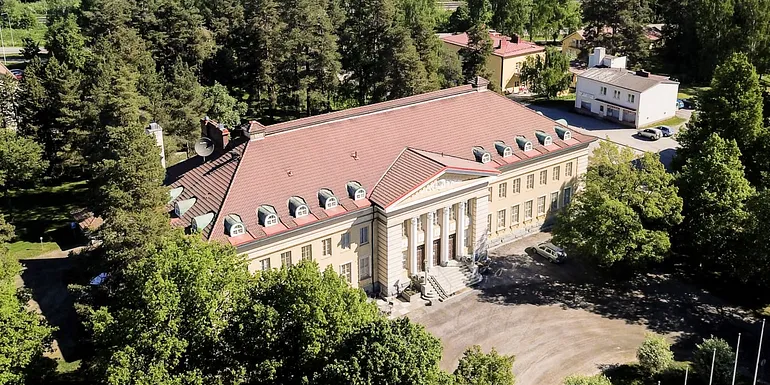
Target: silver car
[551,252]
[650,133]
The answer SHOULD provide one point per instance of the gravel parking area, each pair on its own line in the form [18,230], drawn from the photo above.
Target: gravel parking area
[560,320]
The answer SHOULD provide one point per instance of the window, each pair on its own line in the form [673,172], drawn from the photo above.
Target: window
[567,196]
[360,194]
[603,90]
[502,190]
[530,181]
[364,267]
[237,229]
[631,98]
[489,223]
[286,258]
[271,220]
[331,203]
[326,247]
[527,210]
[514,214]
[518,66]
[486,158]
[405,259]
[507,152]
[300,212]
[307,253]
[554,200]
[404,230]
[468,208]
[556,172]
[547,141]
[264,264]
[616,94]
[500,219]
[544,177]
[568,169]
[345,240]
[364,235]
[345,272]
[516,185]
[601,108]
[435,218]
[528,146]
[452,215]
[541,205]
[490,194]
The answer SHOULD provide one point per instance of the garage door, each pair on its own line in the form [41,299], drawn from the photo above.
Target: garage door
[585,105]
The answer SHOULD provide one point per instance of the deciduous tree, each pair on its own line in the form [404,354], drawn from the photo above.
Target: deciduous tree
[598,379]
[547,75]
[479,368]
[723,362]
[654,354]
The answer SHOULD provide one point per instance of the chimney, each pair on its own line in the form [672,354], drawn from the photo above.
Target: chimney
[642,73]
[216,132]
[515,39]
[255,131]
[597,57]
[479,84]
[156,130]
[499,44]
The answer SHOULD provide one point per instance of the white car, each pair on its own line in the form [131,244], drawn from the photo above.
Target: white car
[650,133]
[551,252]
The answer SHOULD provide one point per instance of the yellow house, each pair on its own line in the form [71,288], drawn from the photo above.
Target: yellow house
[505,62]
[410,189]
[573,44]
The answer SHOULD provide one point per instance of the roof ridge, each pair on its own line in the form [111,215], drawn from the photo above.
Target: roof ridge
[227,190]
[415,150]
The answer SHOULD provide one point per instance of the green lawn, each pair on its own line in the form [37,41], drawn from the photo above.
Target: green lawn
[688,92]
[43,212]
[37,33]
[673,121]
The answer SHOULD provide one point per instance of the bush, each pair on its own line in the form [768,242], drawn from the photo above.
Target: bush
[598,379]
[723,364]
[654,354]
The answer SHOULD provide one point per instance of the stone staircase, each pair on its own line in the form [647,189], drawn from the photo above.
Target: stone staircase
[445,281]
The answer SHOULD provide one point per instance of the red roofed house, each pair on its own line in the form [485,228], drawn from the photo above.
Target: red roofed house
[385,192]
[505,62]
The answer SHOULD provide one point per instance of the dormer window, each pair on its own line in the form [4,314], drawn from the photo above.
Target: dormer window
[175,193]
[355,190]
[326,199]
[544,138]
[482,155]
[563,133]
[234,225]
[267,216]
[181,207]
[201,221]
[503,149]
[523,143]
[297,207]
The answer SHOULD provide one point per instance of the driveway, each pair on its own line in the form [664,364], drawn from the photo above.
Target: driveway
[560,320]
[615,132]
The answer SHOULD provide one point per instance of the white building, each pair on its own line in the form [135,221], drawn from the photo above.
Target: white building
[609,90]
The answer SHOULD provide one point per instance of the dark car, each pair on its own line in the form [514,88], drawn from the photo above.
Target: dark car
[666,130]
[679,104]
[690,104]
[17,73]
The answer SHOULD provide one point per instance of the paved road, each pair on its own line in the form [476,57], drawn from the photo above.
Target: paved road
[560,320]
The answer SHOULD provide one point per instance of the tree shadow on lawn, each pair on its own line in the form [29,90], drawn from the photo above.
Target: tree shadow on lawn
[659,301]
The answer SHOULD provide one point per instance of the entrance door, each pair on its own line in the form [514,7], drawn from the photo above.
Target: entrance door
[421,258]
[436,253]
[452,247]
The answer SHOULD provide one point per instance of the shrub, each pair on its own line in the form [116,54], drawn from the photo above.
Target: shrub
[599,379]
[654,354]
[723,364]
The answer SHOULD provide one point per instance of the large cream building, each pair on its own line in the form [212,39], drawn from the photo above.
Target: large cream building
[418,186]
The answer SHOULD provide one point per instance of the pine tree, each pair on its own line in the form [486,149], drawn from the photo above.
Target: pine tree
[185,103]
[64,41]
[474,55]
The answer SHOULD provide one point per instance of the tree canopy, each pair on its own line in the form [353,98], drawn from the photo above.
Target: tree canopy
[547,75]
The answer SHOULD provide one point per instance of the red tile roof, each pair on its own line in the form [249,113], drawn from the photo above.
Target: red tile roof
[4,70]
[503,46]
[366,145]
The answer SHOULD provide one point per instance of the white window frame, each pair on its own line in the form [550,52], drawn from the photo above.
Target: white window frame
[237,229]
[556,172]
[364,267]
[360,194]
[528,206]
[631,98]
[568,169]
[271,220]
[567,135]
[363,234]
[309,255]
[530,181]
[528,146]
[345,240]
[516,188]
[262,264]
[299,212]
[543,177]
[284,256]
[331,203]
[515,210]
[502,190]
[501,217]
[486,158]
[452,213]
[326,247]
[566,196]
[539,210]
[507,152]
[554,202]
[603,90]
[548,141]
[349,276]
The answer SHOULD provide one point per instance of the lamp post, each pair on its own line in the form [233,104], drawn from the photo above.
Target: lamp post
[2,42]
[10,27]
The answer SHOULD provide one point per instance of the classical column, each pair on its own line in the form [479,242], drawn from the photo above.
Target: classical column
[413,245]
[429,240]
[460,229]
[445,236]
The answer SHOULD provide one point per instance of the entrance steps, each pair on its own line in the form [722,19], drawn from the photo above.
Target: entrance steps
[445,281]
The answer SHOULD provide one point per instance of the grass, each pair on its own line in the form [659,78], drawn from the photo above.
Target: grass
[43,212]
[37,33]
[671,122]
[66,367]
[688,92]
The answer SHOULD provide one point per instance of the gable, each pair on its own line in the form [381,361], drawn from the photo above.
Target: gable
[444,183]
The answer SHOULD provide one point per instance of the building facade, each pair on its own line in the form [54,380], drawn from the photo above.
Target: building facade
[506,59]
[412,188]
[633,98]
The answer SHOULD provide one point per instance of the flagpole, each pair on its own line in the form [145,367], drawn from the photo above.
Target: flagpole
[759,351]
[713,359]
[735,367]
[686,371]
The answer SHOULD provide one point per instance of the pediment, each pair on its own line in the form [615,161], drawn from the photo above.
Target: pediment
[446,183]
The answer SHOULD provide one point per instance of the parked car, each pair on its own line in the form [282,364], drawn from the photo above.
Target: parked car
[17,73]
[650,133]
[679,104]
[551,252]
[666,130]
[690,104]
